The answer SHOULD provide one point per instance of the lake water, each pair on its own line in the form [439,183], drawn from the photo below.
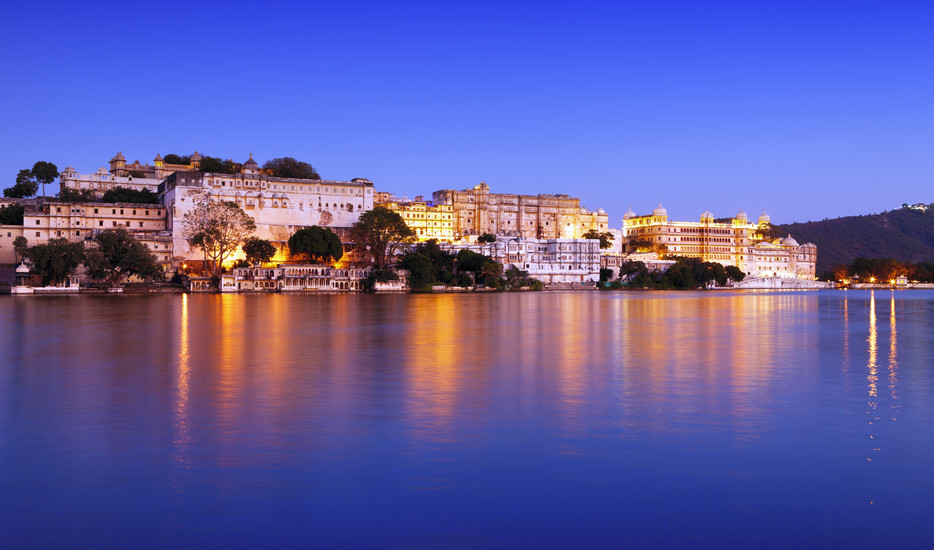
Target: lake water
[708,419]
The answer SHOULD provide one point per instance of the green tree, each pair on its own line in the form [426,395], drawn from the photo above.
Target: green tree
[735,273]
[317,244]
[44,172]
[606,239]
[56,260]
[172,158]
[258,251]
[12,214]
[26,186]
[75,195]
[218,166]
[288,167]
[217,228]
[421,271]
[126,194]
[119,255]
[379,233]
[486,238]
[20,245]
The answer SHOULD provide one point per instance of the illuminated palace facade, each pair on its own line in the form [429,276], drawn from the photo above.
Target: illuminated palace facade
[477,211]
[427,220]
[734,241]
[279,206]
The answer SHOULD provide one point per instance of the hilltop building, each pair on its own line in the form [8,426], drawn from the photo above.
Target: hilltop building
[478,211]
[279,206]
[729,241]
[133,176]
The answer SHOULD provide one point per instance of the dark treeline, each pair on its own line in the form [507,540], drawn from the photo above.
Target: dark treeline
[684,274]
[429,265]
[882,269]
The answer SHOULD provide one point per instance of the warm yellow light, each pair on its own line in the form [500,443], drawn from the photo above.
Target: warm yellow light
[872,279]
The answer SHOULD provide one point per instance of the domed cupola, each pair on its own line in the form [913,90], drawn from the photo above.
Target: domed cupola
[741,215]
[765,218]
[790,241]
[629,214]
[660,211]
[706,215]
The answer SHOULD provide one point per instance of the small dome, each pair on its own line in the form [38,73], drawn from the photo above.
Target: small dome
[195,157]
[629,214]
[601,211]
[250,162]
[118,156]
[102,171]
[789,240]
[765,218]
[22,269]
[659,211]
[741,215]
[158,157]
[706,215]
[69,169]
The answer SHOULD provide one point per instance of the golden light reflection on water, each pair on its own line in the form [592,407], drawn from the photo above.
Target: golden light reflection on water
[873,366]
[183,377]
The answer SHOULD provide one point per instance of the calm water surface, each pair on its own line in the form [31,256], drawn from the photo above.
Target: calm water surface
[460,421]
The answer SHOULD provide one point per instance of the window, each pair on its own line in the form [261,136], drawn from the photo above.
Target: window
[100,223]
[77,233]
[37,233]
[114,211]
[134,212]
[141,224]
[58,208]
[115,224]
[121,211]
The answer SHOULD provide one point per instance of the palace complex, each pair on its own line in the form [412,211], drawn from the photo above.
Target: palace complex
[541,234]
[477,211]
[731,241]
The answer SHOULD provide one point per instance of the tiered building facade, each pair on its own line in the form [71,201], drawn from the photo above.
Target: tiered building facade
[478,211]
[733,241]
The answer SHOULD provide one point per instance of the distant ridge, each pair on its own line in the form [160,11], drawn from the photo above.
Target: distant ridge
[906,234]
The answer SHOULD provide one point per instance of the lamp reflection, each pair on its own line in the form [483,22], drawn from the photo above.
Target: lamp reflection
[182,462]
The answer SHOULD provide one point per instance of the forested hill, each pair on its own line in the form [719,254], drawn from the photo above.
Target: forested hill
[906,234]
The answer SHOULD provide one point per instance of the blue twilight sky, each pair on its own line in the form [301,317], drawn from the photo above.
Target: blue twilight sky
[805,109]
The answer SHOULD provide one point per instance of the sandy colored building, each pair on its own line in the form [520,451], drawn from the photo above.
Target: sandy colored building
[478,211]
[429,221]
[551,261]
[120,174]
[729,241]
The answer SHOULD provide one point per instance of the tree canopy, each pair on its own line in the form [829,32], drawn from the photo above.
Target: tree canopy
[126,194]
[606,239]
[75,195]
[172,158]
[486,238]
[26,186]
[318,244]
[218,166]
[288,167]
[117,256]
[217,228]
[378,235]
[44,172]
[56,260]
[258,251]
[12,214]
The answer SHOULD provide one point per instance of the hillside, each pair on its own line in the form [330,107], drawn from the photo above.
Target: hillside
[906,234]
